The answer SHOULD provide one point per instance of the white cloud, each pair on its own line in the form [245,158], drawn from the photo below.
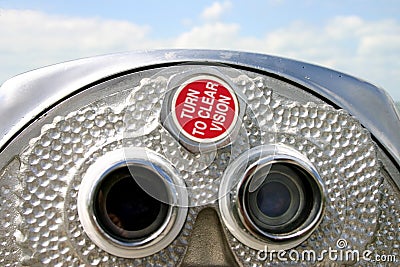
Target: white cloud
[213,35]
[368,49]
[215,11]
[32,39]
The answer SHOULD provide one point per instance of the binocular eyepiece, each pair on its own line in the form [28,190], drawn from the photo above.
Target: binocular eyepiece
[278,197]
[115,159]
[124,210]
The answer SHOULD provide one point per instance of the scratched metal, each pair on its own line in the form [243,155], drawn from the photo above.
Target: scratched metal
[38,189]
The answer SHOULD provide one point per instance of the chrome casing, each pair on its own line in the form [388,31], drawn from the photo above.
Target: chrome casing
[61,123]
[26,97]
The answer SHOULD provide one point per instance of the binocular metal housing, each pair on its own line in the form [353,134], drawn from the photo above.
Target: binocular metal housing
[197,158]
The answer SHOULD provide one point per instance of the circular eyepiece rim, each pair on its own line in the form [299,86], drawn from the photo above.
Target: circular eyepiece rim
[177,200]
[249,222]
[231,209]
[292,187]
[101,212]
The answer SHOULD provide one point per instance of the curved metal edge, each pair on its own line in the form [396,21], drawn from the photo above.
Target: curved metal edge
[26,96]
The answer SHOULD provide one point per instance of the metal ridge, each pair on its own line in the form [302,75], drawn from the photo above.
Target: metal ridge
[25,97]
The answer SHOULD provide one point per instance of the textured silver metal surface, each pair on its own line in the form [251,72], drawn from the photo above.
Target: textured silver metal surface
[27,95]
[40,222]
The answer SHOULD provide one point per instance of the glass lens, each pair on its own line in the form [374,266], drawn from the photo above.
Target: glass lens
[124,210]
[273,199]
[282,201]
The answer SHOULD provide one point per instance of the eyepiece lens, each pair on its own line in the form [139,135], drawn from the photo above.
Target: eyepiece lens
[129,207]
[280,198]
[124,210]
[273,199]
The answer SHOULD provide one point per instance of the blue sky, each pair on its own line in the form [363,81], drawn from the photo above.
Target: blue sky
[358,37]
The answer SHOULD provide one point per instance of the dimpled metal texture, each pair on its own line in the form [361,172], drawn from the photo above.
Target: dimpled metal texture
[40,222]
[53,168]
[10,251]
[345,156]
[387,235]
